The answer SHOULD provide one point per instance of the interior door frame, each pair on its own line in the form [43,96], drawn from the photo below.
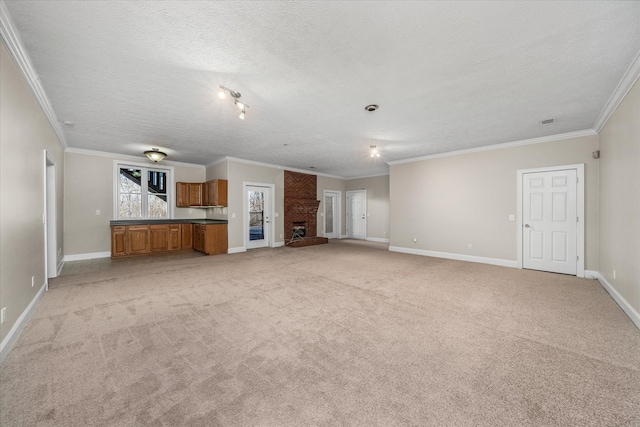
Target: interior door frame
[349,213]
[245,212]
[579,168]
[337,218]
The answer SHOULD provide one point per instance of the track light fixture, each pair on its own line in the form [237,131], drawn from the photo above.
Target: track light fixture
[235,95]
[374,151]
[155,155]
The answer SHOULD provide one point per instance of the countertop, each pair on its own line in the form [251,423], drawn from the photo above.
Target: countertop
[167,221]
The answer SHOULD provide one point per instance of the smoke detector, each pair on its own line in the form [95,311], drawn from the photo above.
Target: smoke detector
[371,107]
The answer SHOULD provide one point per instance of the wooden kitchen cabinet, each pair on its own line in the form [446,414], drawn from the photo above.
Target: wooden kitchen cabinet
[175,237]
[210,239]
[159,237]
[138,241]
[215,192]
[118,241]
[134,240]
[186,234]
[210,193]
[188,194]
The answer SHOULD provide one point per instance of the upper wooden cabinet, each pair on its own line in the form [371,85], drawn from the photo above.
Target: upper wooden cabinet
[210,193]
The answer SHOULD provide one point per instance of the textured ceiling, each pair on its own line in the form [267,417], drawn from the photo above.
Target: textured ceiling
[447,75]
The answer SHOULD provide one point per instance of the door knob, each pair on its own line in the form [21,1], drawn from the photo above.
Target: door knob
[526,226]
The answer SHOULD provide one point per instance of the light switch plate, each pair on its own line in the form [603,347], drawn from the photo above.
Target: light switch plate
[512,217]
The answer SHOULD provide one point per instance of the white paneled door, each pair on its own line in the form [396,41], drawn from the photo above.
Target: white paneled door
[550,221]
[356,214]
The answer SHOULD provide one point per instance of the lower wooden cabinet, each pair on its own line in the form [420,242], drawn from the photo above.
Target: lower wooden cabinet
[132,240]
[210,239]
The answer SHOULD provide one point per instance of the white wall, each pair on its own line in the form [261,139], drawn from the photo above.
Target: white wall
[448,202]
[25,133]
[89,187]
[620,199]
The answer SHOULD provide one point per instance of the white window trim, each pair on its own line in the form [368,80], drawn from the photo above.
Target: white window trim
[171,188]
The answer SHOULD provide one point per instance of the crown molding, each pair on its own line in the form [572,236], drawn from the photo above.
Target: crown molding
[216,162]
[540,140]
[270,165]
[367,176]
[626,83]
[129,157]
[13,41]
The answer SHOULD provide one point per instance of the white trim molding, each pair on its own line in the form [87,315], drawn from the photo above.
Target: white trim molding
[12,38]
[14,333]
[60,266]
[540,140]
[457,257]
[86,256]
[580,189]
[376,239]
[624,305]
[626,83]
[590,274]
[129,158]
[278,244]
[237,250]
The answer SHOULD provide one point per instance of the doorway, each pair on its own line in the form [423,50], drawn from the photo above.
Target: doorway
[258,215]
[51,235]
[357,214]
[551,219]
[332,224]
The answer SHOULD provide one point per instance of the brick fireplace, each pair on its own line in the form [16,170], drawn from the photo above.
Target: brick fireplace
[301,210]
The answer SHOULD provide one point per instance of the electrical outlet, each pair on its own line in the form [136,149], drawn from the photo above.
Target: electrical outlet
[415,240]
[614,274]
[281,235]
[469,246]
[233,215]
[512,217]
[97,211]
[276,214]
[33,281]
[3,314]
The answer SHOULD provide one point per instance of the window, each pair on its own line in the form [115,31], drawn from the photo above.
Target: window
[142,192]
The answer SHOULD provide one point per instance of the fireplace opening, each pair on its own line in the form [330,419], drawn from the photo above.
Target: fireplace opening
[299,230]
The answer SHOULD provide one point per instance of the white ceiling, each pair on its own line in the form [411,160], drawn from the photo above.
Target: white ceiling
[447,75]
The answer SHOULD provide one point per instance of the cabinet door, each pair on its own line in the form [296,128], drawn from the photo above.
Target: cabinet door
[159,237]
[221,192]
[138,239]
[207,200]
[195,194]
[182,194]
[118,241]
[216,239]
[199,237]
[187,235]
[175,239]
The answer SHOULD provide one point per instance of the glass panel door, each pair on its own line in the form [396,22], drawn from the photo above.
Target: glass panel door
[259,223]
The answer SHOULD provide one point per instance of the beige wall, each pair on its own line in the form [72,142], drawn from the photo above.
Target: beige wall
[25,133]
[620,198]
[447,203]
[89,187]
[333,184]
[377,204]
[239,173]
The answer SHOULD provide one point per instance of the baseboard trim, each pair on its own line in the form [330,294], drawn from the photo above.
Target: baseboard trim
[83,257]
[376,239]
[278,244]
[59,267]
[236,250]
[457,257]
[624,305]
[590,274]
[342,236]
[14,333]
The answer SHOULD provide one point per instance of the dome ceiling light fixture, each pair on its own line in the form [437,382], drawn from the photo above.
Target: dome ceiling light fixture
[235,95]
[155,155]
[372,107]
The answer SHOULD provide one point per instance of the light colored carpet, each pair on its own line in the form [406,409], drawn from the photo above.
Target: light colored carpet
[343,334]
